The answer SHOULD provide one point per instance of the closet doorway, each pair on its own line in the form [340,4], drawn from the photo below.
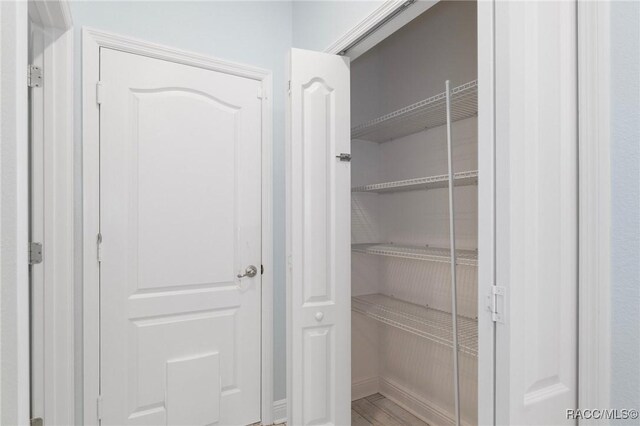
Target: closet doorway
[462,220]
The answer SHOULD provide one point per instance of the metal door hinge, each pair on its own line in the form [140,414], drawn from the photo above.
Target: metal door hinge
[344,157]
[34,76]
[35,253]
[289,89]
[262,93]
[99,243]
[99,92]
[99,407]
[498,303]
[261,269]
[36,421]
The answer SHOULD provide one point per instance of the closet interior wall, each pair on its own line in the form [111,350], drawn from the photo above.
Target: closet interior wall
[407,67]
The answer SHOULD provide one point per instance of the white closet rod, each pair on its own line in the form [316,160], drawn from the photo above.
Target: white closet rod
[452,235]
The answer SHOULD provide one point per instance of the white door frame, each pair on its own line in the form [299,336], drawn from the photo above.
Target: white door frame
[57,310]
[92,41]
[486,213]
[594,185]
[14,215]
[57,195]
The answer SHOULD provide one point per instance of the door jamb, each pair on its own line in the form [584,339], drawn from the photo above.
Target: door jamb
[56,334]
[92,41]
[487,209]
[594,209]
[14,214]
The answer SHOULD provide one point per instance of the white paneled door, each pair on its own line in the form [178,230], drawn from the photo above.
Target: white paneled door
[536,161]
[319,240]
[180,215]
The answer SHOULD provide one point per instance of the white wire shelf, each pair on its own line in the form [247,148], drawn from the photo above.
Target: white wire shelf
[428,323]
[432,254]
[429,182]
[422,115]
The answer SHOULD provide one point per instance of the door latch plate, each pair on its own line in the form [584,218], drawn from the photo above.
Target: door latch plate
[497,303]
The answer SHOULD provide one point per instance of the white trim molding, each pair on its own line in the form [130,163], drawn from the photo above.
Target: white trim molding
[136,46]
[364,387]
[92,41]
[372,23]
[54,14]
[594,204]
[14,215]
[267,250]
[486,211]
[53,339]
[420,407]
[279,412]
[56,199]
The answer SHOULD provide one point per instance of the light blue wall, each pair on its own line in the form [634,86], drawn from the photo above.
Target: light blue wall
[317,24]
[625,198]
[256,33]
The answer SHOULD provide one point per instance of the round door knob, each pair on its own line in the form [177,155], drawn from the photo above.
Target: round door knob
[319,316]
[250,272]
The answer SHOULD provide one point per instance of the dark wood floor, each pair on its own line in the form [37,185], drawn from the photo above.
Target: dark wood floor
[376,410]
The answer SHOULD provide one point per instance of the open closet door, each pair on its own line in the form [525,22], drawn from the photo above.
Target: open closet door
[318,240]
[536,212]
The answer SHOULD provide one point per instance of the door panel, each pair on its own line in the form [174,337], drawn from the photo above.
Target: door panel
[536,223]
[39,332]
[319,284]
[180,181]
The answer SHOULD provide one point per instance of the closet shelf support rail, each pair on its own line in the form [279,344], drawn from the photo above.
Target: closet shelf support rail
[422,115]
[428,323]
[425,253]
[423,183]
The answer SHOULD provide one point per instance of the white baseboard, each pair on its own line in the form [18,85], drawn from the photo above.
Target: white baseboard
[426,410]
[364,387]
[280,411]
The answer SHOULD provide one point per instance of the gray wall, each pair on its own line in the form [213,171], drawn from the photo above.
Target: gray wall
[625,208]
[255,33]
